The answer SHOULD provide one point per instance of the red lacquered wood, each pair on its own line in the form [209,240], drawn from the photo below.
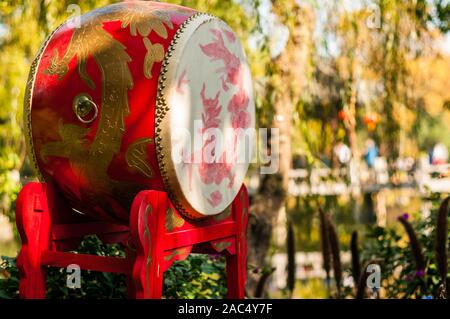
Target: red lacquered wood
[80,230]
[237,263]
[87,262]
[148,216]
[177,254]
[194,236]
[73,243]
[152,244]
[33,212]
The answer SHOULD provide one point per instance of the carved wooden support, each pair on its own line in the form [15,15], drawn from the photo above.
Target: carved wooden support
[33,222]
[156,237]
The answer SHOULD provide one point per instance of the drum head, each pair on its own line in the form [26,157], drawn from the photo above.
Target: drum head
[205,117]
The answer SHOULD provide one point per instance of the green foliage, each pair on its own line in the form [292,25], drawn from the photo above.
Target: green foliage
[9,278]
[197,277]
[443,15]
[304,212]
[93,284]
[431,130]
[311,289]
[400,278]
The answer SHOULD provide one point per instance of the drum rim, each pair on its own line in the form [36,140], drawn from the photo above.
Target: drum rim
[28,100]
[162,122]
[163,111]
[162,129]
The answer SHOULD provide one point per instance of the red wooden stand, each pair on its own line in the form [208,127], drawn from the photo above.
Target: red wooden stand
[156,237]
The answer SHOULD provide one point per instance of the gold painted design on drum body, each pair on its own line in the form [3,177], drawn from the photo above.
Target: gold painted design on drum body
[93,159]
[177,252]
[221,245]
[140,23]
[173,220]
[137,157]
[155,53]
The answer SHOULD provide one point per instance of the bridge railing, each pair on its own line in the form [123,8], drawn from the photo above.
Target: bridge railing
[404,173]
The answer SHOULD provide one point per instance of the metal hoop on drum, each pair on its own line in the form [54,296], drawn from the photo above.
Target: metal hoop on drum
[82,106]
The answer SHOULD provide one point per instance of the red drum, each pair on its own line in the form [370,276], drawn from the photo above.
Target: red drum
[116,103]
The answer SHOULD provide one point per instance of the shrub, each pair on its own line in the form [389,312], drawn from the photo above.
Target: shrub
[401,277]
[199,276]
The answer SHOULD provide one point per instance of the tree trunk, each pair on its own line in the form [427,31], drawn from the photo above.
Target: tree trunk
[288,76]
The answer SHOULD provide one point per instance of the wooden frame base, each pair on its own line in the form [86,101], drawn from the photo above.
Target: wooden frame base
[156,237]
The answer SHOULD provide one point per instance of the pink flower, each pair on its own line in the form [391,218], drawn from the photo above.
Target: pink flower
[420,273]
[212,172]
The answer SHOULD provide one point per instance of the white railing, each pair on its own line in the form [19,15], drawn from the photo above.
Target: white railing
[308,265]
[404,173]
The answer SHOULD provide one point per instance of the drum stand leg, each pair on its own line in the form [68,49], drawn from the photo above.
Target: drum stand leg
[33,222]
[159,236]
[237,263]
[147,229]
[159,243]
[50,230]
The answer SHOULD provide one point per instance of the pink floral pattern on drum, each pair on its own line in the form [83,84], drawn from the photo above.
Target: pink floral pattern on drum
[212,109]
[215,198]
[217,50]
[237,107]
[212,87]
[181,82]
[214,172]
[217,171]
[230,35]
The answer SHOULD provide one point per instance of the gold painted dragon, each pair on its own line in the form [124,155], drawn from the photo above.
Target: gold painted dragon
[92,159]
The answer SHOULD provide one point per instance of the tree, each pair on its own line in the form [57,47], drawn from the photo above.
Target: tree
[287,73]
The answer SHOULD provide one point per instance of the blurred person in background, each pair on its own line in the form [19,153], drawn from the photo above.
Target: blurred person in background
[440,154]
[371,153]
[342,153]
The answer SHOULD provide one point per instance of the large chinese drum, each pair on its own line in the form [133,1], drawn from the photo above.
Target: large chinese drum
[141,95]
